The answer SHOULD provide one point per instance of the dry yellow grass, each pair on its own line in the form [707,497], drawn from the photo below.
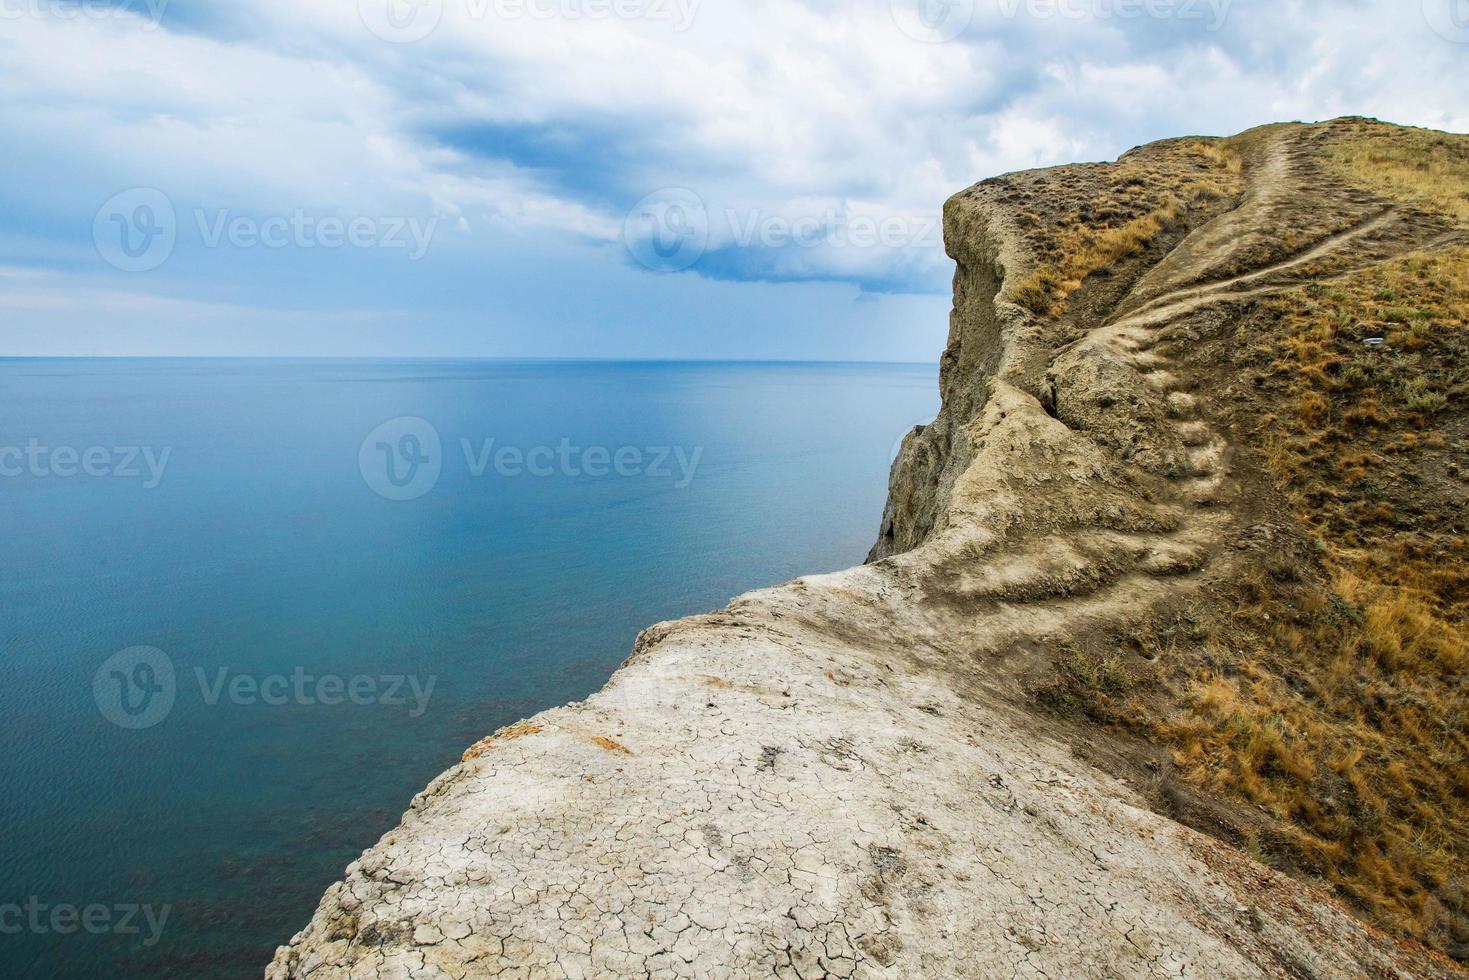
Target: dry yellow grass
[1351,727]
[1339,722]
[1348,721]
[1326,692]
[1420,166]
[1154,194]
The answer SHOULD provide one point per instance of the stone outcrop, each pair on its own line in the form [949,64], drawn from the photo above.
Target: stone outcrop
[845,775]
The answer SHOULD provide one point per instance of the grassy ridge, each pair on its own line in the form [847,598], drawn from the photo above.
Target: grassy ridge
[1323,698]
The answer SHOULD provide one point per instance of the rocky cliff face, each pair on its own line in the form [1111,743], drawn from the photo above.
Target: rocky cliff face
[865,773]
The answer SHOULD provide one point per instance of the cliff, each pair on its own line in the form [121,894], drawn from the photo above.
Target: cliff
[1059,723]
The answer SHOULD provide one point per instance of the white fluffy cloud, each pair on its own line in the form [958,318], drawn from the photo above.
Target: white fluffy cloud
[556,116]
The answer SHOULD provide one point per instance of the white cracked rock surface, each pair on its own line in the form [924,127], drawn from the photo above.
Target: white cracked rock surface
[837,776]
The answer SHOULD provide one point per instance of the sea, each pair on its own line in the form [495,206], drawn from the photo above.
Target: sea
[248,608]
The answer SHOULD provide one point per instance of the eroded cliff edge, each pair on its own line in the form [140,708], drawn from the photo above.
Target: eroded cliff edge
[854,774]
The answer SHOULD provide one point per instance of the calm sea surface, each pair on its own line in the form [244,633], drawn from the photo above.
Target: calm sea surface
[339,582]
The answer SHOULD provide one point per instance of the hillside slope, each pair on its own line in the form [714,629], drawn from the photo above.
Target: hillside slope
[1172,590]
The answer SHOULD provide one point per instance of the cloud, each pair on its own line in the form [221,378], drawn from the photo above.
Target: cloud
[548,119]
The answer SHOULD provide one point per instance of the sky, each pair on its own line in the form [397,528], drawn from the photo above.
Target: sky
[602,178]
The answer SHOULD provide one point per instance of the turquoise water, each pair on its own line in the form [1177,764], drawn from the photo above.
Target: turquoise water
[252,544]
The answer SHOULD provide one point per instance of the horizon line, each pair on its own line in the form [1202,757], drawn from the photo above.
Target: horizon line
[452,357]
